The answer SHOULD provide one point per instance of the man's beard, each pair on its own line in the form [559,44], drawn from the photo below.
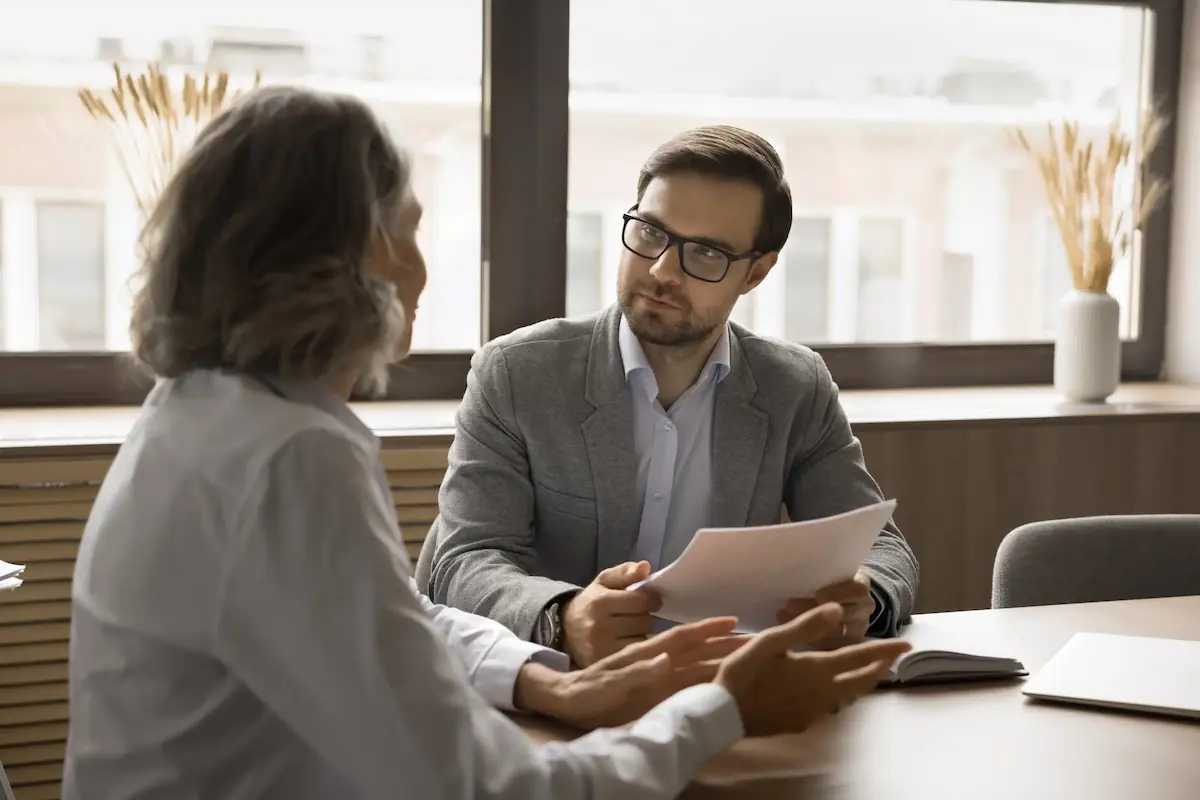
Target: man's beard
[649,326]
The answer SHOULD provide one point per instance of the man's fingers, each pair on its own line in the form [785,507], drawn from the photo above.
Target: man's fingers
[624,575]
[845,592]
[623,601]
[804,629]
[794,608]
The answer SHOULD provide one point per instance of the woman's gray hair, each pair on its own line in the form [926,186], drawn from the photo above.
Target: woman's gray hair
[256,256]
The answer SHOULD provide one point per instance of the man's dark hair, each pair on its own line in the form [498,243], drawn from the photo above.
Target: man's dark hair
[723,151]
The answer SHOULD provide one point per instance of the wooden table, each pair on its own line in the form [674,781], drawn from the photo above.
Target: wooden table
[981,741]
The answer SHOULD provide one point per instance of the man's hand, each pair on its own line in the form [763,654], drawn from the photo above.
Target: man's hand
[778,691]
[604,617]
[858,606]
[619,689]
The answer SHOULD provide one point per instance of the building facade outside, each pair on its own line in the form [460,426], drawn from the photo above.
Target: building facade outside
[916,217]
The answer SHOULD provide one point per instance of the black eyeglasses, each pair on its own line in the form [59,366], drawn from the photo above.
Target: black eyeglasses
[701,260]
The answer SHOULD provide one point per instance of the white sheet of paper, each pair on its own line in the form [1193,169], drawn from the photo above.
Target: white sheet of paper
[751,573]
[8,584]
[8,570]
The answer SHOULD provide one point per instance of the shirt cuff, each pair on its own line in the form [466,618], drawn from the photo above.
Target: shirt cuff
[705,713]
[496,676]
[880,622]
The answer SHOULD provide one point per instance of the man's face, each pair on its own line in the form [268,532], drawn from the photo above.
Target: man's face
[662,303]
[398,258]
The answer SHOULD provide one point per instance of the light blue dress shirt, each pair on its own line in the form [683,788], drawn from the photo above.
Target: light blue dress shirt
[674,451]
[674,455]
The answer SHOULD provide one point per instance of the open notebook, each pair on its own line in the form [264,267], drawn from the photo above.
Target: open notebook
[945,666]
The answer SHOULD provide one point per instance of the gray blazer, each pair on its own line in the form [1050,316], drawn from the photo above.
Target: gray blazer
[539,494]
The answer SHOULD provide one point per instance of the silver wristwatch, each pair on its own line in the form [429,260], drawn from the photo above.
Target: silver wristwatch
[549,629]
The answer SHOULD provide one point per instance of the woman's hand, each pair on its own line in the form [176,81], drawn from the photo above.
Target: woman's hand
[622,687]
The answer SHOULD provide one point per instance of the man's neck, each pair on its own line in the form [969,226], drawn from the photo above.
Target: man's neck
[676,368]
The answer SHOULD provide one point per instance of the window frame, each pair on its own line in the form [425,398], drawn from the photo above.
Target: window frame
[525,127]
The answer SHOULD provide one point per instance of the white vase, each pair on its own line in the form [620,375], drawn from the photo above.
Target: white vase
[1087,347]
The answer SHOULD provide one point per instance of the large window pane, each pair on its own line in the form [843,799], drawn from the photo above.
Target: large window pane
[418,63]
[807,264]
[585,262]
[2,315]
[70,261]
[892,118]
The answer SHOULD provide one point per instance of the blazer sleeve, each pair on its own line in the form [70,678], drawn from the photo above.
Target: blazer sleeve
[480,554]
[828,476]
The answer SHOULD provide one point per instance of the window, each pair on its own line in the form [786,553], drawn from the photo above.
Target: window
[892,118]
[585,262]
[806,264]
[1,275]
[880,299]
[955,297]
[1055,274]
[70,269]
[418,64]
[917,256]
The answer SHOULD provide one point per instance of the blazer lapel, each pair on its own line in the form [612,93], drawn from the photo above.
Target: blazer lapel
[608,434]
[739,439]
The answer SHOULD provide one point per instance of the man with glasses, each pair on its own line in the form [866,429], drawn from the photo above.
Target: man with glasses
[589,451]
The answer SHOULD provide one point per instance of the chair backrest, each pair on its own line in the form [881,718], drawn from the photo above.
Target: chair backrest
[1090,559]
[5,785]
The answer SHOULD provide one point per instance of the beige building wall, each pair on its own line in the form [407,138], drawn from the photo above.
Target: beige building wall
[954,187]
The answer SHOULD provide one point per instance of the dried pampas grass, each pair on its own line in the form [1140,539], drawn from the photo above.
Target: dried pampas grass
[1082,180]
[153,123]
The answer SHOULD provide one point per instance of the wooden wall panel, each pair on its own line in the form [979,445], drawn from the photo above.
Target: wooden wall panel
[44,503]
[961,487]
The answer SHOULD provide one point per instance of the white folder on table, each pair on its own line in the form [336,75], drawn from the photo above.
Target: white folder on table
[751,573]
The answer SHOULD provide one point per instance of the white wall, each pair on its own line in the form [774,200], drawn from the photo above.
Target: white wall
[1183,311]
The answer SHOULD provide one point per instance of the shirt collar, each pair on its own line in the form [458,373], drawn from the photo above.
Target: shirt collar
[633,357]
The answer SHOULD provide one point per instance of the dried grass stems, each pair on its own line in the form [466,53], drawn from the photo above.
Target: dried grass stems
[153,123]
[1083,180]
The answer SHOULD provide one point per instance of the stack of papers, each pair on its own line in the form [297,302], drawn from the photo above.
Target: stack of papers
[751,573]
[10,575]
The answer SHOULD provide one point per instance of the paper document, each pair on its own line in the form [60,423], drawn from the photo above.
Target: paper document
[10,575]
[751,573]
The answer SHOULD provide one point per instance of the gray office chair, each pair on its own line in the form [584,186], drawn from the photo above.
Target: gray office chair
[4,785]
[1090,559]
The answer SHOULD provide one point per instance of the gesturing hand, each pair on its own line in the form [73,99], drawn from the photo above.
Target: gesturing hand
[622,687]
[604,617]
[778,691]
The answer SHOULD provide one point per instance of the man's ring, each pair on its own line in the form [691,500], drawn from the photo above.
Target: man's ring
[843,630]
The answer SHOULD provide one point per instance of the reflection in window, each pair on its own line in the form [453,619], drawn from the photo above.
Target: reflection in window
[70,262]
[880,280]
[807,259]
[585,254]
